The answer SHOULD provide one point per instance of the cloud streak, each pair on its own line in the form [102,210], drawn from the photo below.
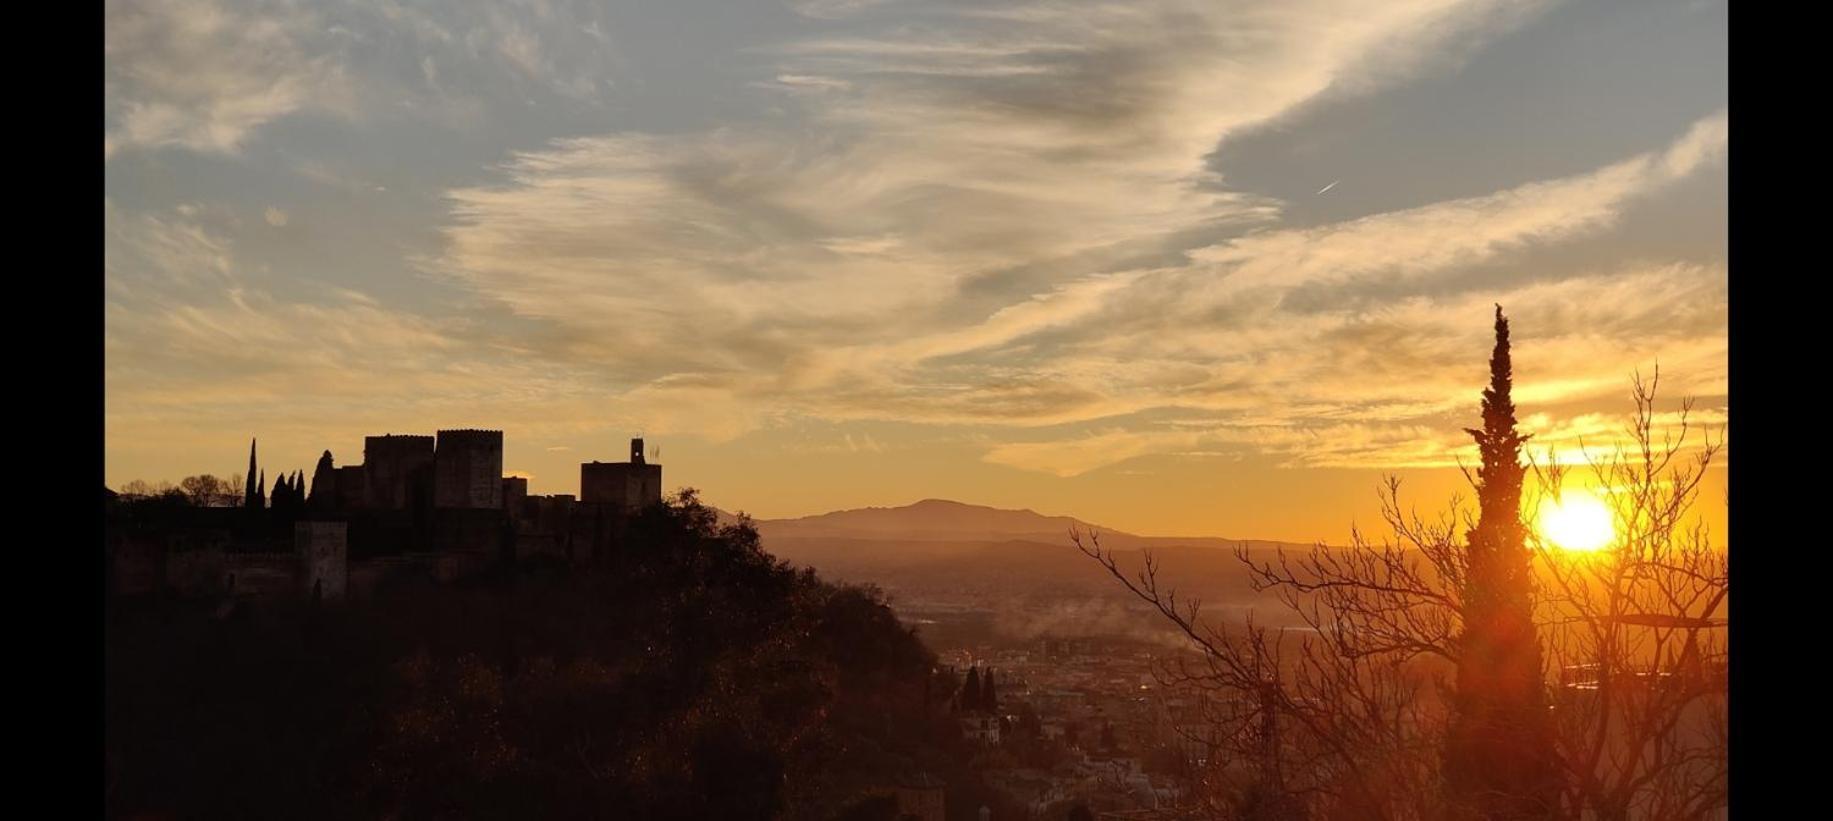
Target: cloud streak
[203,75]
[1008,222]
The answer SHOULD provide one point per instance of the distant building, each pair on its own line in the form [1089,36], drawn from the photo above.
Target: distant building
[515,496]
[981,728]
[630,486]
[397,470]
[468,470]
[417,508]
[324,556]
[352,487]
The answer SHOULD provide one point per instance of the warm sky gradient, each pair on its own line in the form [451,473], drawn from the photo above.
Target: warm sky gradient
[831,253]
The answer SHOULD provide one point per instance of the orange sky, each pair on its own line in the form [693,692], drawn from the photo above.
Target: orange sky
[1176,268]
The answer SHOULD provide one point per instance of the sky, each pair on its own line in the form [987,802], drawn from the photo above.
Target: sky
[1178,268]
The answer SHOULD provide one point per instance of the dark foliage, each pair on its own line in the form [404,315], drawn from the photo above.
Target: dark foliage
[1499,757]
[692,676]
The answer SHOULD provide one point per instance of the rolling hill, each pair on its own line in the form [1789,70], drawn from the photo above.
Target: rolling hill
[937,551]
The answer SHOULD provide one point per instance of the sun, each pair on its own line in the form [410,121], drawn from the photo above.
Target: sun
[1577,521]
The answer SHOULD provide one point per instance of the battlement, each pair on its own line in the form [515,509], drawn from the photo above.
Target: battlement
[398,440]
[469,433]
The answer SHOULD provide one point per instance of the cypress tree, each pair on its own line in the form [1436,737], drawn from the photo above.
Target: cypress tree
[1499,757]
[323,496]
[278,498]
[989,698]
[251,495]
[970,692]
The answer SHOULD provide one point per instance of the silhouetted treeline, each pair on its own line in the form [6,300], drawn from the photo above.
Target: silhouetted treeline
[694,677]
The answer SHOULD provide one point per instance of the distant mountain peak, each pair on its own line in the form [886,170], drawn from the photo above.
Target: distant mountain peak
[931,518]
[937,521]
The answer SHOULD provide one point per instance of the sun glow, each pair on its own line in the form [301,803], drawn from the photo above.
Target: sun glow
[1577,521]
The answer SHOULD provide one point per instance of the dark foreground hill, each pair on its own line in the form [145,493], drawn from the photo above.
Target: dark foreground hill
[696,677]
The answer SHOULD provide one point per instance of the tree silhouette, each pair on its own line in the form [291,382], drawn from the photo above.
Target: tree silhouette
[251,496]
[1638,632]
[324,477]
[1381,707]
[1499,759]
[209,491]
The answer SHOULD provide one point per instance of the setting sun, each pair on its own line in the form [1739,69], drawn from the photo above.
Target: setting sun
[1577,521]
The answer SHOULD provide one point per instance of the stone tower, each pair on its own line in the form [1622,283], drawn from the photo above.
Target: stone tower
[394,470]
[628,485]
[468,470]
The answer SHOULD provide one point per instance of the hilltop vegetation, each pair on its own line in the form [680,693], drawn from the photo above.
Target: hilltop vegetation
[696,676]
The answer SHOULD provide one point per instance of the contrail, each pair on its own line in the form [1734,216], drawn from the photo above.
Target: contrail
[1333,184]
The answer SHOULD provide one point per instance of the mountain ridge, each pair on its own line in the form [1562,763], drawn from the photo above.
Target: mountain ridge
[948,520]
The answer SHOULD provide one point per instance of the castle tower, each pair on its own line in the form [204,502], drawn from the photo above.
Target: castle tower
[392,467]
[628,485]
[468,470]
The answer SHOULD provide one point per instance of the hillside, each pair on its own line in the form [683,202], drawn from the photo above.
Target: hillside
[693,675]
[952,545]
[942,520]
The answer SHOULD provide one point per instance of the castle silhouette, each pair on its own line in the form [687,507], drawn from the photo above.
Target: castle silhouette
[417,509]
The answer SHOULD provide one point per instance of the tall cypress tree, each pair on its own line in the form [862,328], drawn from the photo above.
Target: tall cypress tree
[970,691]
[1499,757]
[251,495]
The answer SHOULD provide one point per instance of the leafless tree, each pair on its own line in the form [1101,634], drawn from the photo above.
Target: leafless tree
[209,491]
[141,488]
[1637,633]
[1340,714]
[1346,716]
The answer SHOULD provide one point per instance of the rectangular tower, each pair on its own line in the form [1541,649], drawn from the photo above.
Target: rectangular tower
[468,470]
[352,488]
[627,485]
[393,466]
[324,551]
[515,496]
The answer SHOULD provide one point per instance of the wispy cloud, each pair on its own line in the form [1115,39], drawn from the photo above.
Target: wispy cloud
[1007,219]
[992,175]
[831,9]
[203,74]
